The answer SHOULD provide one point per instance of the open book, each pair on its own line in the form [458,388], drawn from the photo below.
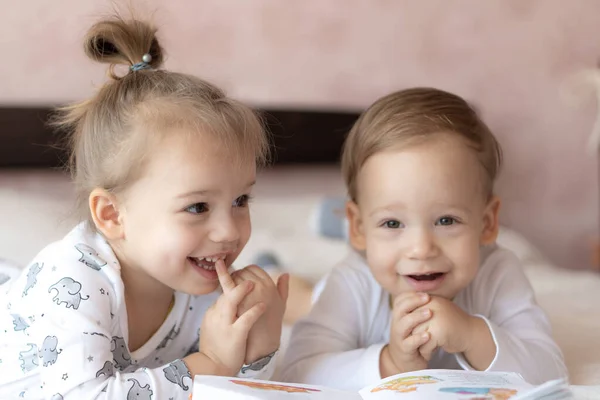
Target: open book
[420,385]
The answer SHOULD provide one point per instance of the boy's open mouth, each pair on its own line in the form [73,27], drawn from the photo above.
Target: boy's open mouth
[426,277]
[426,282]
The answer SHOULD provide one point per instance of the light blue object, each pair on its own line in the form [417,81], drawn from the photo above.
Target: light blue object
[267,261]
[144,64]
[329,219]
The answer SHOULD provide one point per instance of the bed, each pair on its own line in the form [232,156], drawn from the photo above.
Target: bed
[35,206]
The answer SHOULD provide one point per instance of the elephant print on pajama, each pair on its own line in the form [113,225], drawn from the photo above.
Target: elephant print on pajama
[107,370]
[19,323]
[48,352]
[90,257]
[29,358]
[137,392]
[32,274]
[67,292]
[170,336]
[120,353]
[176,371]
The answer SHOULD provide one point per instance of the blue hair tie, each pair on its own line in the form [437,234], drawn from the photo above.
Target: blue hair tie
[145,64]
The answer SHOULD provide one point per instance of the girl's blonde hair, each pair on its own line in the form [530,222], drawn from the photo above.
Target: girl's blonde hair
[411,116]
[111,134]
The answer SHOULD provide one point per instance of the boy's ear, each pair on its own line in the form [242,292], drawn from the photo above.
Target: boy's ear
[356,232]
[491,224]
[105,214]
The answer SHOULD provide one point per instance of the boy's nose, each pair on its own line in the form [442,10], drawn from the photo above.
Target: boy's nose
[422,245]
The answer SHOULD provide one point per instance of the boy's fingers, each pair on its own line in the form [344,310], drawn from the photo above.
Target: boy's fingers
[407,302]
[413,323]
[414,342]
[225,279]
[427,350]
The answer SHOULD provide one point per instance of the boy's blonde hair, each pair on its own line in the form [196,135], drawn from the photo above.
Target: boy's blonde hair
[412,116]
[111,134]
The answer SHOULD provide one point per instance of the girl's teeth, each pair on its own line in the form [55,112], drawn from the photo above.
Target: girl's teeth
[210,259]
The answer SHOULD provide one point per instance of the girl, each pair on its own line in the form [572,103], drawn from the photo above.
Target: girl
[164,164]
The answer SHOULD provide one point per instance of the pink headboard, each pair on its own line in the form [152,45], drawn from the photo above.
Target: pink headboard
[509,57]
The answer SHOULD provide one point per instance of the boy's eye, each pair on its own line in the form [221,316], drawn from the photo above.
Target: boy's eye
[392,224]
[242,201]
[446,221]
[197,208]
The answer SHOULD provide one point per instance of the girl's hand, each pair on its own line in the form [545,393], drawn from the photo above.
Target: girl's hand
[264,337]
[224,334]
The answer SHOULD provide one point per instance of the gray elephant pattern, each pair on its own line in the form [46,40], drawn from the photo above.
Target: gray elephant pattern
[32,274]
[176,371]
[170,336]
[67,292]
[19,323]
[120,353]
[107,370]
[257,366]
[29,358]
[137,392]
[90,257]
[48,352]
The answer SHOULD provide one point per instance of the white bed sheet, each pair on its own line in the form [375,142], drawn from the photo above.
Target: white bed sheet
[34,207]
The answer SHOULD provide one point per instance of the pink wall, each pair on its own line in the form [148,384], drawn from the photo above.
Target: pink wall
[510,57]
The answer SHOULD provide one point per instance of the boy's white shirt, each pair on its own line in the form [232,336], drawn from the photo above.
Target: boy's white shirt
[339,343]
[72,295]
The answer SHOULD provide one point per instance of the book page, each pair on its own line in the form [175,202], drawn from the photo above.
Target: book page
[227,388]
[448,384]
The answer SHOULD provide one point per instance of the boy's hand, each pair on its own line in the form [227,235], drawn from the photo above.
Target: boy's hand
[455,331]
[223,335]
[449,328]
[402,352]
[265,336]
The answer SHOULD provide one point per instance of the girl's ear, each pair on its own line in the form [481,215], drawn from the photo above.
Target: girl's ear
[105,214]
[491,224]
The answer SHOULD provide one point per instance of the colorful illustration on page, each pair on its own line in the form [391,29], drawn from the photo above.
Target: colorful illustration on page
[275,387]
[482,393]
[406,384]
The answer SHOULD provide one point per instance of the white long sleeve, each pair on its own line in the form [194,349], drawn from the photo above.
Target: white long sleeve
[338,344]
[64,331]
[503,295]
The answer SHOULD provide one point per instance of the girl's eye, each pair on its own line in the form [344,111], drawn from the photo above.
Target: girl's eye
[446,221]
[392,224]
[242,201]
[197,208]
